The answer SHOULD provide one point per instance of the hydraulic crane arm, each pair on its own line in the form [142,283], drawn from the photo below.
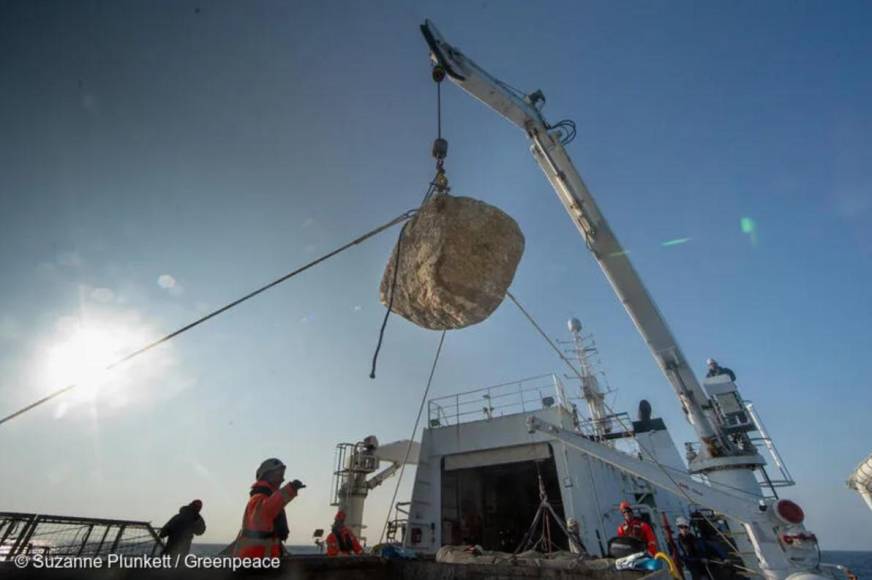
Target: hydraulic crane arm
[758,525]
[671,480]
[547,149]
[380,477]
[396,453]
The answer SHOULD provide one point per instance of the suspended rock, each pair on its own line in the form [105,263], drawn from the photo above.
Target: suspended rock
[457,259]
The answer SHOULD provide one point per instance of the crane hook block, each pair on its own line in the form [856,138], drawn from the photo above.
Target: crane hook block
[440,148]
[438,73]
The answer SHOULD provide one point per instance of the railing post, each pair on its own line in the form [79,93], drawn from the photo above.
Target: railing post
[10,525]
[114,547]
[24,536]
[521,394]
[103,539]
[157,540]
[457,404]
[85,540]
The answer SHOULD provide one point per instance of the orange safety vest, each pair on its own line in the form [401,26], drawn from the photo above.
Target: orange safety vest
[257,538]
[348,539]
[640,530]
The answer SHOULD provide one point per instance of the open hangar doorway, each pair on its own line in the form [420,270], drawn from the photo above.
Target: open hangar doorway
[489,498]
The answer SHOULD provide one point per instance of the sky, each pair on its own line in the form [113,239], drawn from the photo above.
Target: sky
[160,159]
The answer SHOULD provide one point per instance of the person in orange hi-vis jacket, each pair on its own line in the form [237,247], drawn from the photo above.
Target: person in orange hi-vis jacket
[265,525]
[341,541]
[633,527]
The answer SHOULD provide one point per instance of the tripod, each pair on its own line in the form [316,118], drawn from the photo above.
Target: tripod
[544,514]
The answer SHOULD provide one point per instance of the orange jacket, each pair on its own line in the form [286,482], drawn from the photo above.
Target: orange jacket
[257,538]
[640,530]
[351,543]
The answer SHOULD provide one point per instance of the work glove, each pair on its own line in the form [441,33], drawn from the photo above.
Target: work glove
[297,484]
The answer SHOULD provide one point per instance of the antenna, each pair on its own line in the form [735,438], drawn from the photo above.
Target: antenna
[584,348]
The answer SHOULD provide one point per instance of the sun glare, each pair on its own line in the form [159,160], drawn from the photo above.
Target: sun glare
[81,348]
[82,359]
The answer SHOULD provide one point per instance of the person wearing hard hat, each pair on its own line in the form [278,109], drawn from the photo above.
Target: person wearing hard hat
[341,541]
[575,544]
[691,550]
[264,524]
[633,527]
[181,529]
[715,370]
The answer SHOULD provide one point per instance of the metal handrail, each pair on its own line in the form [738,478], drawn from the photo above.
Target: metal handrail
[468,402]
[537,377]
[493,401]
[23,533]
[786,479]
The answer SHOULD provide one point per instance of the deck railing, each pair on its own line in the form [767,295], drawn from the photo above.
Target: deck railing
[486,403]
[48,535]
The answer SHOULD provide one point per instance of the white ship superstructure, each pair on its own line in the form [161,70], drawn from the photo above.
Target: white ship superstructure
[478,471]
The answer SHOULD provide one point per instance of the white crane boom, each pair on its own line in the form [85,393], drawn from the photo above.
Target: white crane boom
[670,479]
[602,242]
[728,456]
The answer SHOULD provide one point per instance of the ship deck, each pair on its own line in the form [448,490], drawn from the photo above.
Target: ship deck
[318,567]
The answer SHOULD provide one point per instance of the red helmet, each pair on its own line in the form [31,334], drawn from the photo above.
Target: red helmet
[625,505]
[340,516]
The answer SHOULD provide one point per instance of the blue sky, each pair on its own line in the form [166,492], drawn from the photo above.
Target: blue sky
[160,160]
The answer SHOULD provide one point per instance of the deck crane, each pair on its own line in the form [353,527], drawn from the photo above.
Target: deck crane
[547,149]
[726,456]
[783,547]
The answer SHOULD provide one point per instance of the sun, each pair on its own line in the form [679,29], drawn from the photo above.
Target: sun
[80,346]
[82,357]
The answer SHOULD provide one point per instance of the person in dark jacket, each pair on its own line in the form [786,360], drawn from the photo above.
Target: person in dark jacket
[691,550]
[182,528]
[715,370]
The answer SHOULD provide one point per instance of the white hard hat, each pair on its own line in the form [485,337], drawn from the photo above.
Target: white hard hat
[268,465]
[572,523]
[711,361]
[681,521]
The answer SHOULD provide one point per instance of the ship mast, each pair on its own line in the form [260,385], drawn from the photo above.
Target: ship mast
[590,389]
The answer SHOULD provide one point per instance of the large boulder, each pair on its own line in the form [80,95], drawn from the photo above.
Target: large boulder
[458,256]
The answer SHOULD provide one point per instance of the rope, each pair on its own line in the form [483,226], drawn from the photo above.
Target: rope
[623,425]
[438,183]
[412,437]
[399,219]
[381,332]
[542,333]
[393,288]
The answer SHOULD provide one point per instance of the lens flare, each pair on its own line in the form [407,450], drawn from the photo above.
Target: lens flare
[82,346]
[82,359]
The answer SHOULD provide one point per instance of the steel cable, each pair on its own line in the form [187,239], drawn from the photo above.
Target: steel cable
[399,219]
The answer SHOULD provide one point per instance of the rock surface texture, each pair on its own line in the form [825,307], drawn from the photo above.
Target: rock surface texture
[458,257]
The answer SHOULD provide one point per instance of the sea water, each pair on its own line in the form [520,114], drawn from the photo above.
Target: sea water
[860,563]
